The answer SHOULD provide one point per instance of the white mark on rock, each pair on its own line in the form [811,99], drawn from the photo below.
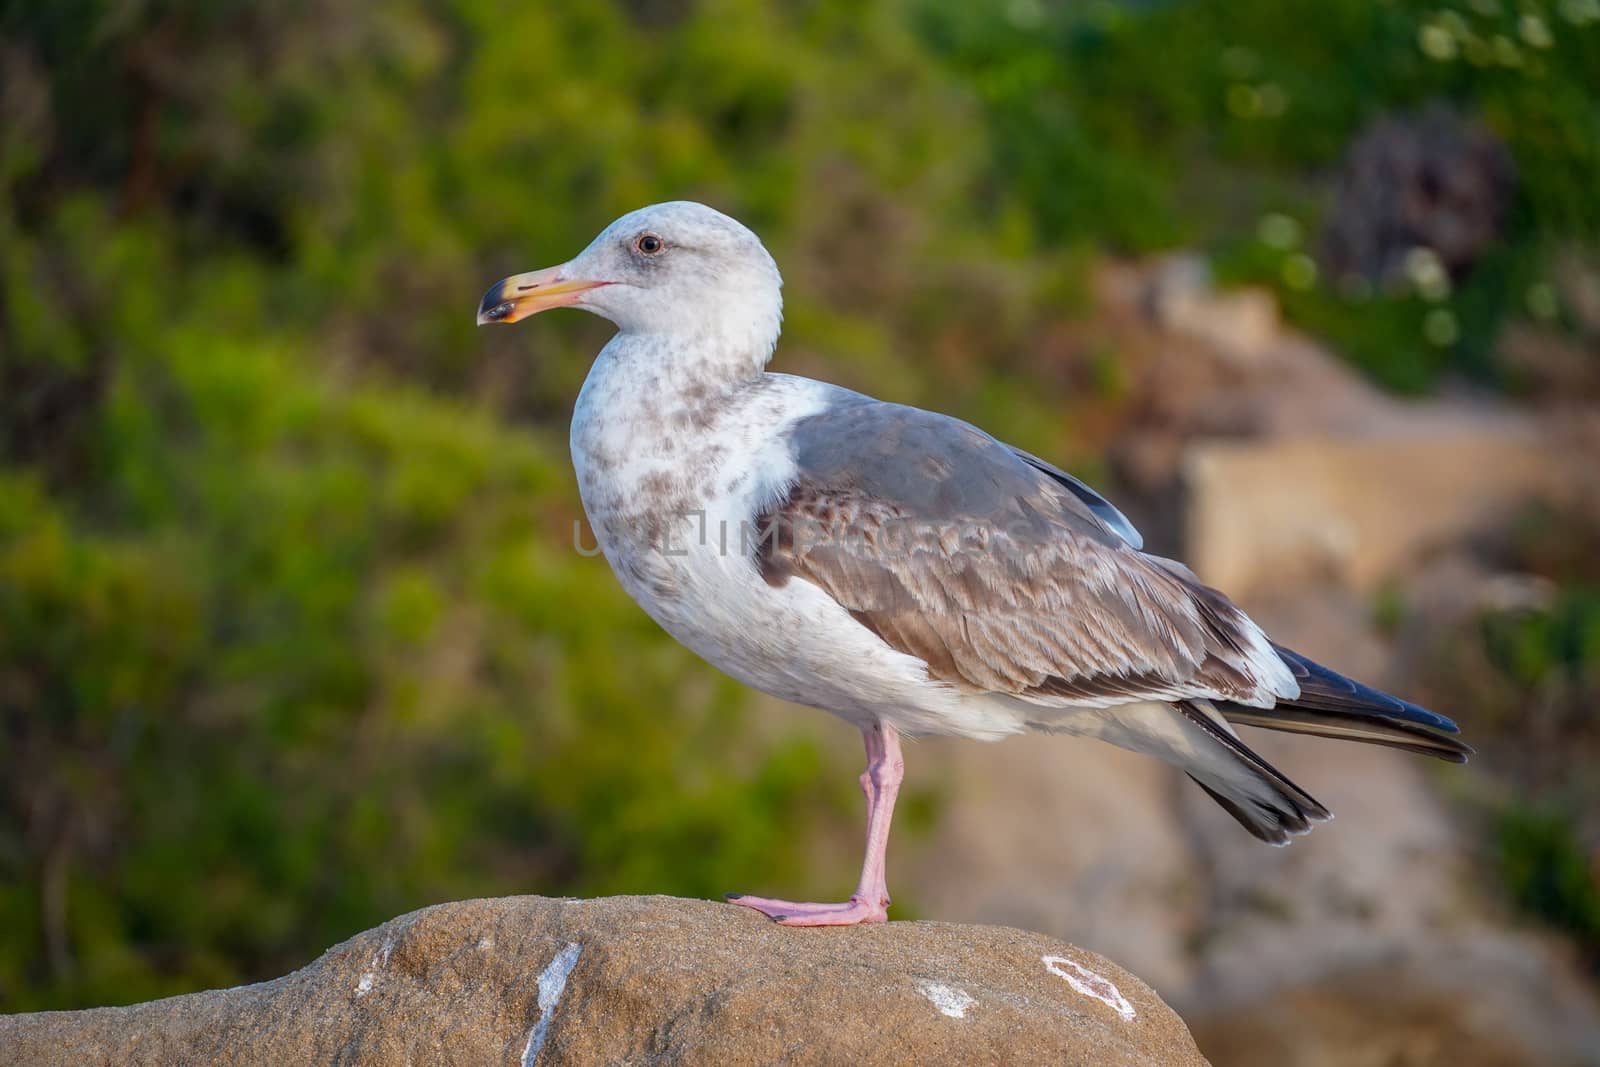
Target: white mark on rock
[948,999]
[552,983]
[380,960]
[1090,984]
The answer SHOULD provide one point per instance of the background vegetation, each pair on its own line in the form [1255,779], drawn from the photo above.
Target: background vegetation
[292,634]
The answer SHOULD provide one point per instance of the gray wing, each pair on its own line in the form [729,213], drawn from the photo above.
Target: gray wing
[1103,509]
[1002,573]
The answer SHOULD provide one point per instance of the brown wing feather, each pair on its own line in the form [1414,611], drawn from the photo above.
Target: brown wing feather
[1028,607]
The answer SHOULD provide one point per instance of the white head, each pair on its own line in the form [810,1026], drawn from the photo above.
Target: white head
[678,270]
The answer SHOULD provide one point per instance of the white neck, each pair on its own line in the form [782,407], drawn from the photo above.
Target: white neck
[695,360]
[646,388]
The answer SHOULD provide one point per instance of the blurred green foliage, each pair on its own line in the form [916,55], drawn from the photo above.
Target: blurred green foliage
[1550,874]
[1547,662]
[1141,125]
[1525,673]
[292,633]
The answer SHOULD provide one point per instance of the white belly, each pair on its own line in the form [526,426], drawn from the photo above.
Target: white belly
[794,641]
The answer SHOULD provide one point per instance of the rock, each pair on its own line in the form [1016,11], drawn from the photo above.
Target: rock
[1361,508]
[1239,326]
[1211,362]
[526,980]
[1271,461]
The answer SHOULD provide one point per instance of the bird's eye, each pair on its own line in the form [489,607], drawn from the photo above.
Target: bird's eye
[649,244]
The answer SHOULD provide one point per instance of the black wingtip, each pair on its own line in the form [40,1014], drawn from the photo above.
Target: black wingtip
[1323,688]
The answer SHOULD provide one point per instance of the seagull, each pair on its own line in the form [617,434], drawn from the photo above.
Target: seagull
[899,568]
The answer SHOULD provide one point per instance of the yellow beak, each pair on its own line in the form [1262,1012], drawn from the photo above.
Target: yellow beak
[515,298]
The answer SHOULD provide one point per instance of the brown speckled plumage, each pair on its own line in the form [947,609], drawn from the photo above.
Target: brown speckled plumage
[953,548]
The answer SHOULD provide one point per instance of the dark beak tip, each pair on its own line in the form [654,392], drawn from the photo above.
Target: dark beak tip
[493,314]
[493,301]
[493,308]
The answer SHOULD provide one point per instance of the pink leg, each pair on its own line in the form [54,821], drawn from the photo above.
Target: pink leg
[870,902]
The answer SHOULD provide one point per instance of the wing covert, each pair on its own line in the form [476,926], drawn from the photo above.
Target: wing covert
[1000,572]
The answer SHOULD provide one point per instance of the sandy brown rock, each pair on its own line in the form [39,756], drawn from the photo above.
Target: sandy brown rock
[643,980]
[1360,509]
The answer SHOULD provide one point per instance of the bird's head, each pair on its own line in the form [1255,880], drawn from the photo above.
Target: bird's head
[678,268]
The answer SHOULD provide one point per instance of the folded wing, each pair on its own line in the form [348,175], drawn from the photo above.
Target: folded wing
[1001,573]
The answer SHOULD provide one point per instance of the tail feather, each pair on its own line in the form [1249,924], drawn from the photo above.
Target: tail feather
[1191,735]
[1343,727]
[1201,740]
[1331,705]
[1253,791]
